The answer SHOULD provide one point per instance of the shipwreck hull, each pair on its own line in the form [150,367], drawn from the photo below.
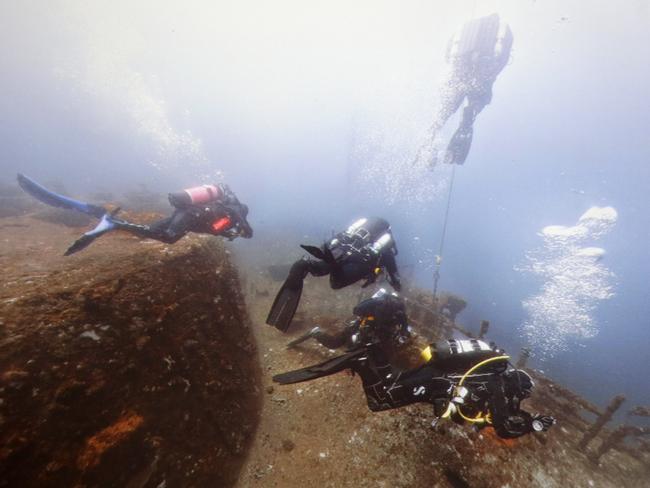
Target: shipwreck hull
[132,365]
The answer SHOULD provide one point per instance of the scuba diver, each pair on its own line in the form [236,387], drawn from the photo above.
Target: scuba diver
[476,55]
[362,251]
[381,318]
[207,209]
[465,381]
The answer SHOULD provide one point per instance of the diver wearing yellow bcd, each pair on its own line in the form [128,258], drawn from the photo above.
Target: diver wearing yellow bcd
[459,386]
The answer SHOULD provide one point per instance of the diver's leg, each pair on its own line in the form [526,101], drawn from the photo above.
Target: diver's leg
[424,384]
[452,98]
[353,269]
[167,230]
[386,388]
[461,141]
[376,374]
[331,341]
[181,223]
[388,260]
[153,231]
[318,268]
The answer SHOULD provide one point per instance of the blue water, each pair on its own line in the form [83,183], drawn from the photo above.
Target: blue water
[293,105]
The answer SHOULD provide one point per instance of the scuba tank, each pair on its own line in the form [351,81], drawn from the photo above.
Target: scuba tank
[356,226]
[372,234]
[381,243]
[459,355]
[195,196]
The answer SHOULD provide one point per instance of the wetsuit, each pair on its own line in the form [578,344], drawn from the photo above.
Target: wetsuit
[359,253]
[499,393]
[225,216]
[477,54]
[354,257]
[493,389]
[209,209]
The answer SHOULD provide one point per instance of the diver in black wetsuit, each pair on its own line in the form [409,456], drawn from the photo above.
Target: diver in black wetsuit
[359,253]
[466,381]
[207,209]
[381,318]
[214,209]
[476,55]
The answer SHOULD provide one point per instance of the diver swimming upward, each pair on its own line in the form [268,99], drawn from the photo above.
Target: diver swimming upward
[464,380]
[207,209]
[476,55]
[361,252]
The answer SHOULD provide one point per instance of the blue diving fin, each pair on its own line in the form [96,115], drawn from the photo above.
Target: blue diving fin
[48,197]
[106,224]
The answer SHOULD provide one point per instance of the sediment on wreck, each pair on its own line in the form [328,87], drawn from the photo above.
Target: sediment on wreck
[129,365]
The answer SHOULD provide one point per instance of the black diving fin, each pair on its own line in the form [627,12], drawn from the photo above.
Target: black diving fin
[285,305]
[286,302]
[48,197]
[326,368]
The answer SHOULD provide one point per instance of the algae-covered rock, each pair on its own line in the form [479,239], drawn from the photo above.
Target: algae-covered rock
[131,364]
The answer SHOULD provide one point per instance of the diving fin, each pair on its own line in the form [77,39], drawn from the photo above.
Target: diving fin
[106,224]
[458,148]
[48,197]
[285,305]
[326,368]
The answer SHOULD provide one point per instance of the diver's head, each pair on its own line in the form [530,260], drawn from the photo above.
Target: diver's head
[518,383]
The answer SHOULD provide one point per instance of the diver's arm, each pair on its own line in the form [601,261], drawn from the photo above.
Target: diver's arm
[403,332]
[332,341]
[510,421]
[391,268]
[226,218]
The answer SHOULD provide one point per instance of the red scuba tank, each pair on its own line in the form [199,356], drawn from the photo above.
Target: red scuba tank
[195,196]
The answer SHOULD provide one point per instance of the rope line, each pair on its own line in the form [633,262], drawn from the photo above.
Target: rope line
[436,274]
